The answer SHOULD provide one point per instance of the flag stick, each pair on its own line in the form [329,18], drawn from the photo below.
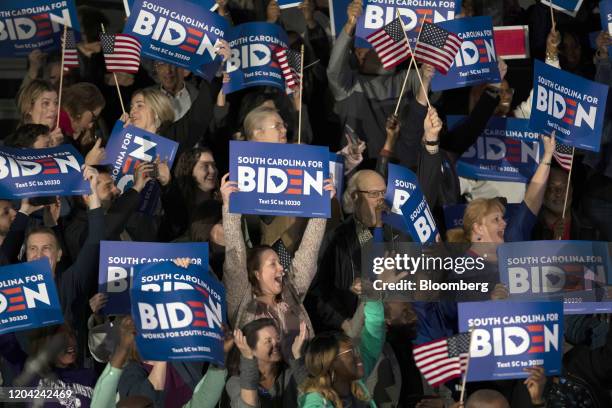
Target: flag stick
[301,87]
[552,16]
[399,100]
[569,177]
[116,82]
[467,366]
[61,83]
[412,54]
[126,7]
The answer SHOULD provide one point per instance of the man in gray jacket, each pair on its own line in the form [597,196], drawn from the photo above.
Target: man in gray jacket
[365,94]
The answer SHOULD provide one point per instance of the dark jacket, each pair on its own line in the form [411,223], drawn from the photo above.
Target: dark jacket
[365,101]
[134,380]
[193,126]
[9,250]
[330,301]
[76,227]
[78,283]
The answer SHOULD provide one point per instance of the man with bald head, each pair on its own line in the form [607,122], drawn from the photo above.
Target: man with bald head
[333,297]
[487,399]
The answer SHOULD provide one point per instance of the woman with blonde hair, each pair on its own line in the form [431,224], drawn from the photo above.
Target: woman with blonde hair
[484,228]
[38,104]
[152,111]
[483,220]
[337,367]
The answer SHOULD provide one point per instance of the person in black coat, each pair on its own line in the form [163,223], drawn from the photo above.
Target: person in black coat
[119,211]
[76,284]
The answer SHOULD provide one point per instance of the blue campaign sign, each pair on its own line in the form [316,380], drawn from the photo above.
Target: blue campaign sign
[208,4]
[409,210]
[130,146]
[568,104]
[508,337]
[178,32]
[336,172]
[252,62]
[476,61]
[41,172]
[279,179]
[181,325]
[28,297]
[26,25]
[507,150]
[337,15]
[605,12]
[453,215]
[119,259]
[575,272]
[569,7]
[378,13]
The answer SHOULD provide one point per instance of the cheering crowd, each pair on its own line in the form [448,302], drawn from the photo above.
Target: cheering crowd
[299,332]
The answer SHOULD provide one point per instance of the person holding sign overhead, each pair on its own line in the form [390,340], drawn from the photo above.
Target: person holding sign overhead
[152,111]
[75,284]
[364,97]
[256,282]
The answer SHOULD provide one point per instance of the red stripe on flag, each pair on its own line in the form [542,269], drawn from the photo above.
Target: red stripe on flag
[294,172]
[17,299]
[535,328]
[293,191]
[43,33]
[199,314]
[484,59]
[193,303]
[193,41]
[537,339]
[200,323]
[51,171]
[16,308]
[570,112]
[295,182]
[479,41]
[536,349]
[571,101]
[568,121]
[40,16]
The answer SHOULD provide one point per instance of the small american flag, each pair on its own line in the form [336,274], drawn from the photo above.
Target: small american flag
[290,63]
[390,44]
[71,56]
[121,52]
[437,47]
[442,360]
[564,154]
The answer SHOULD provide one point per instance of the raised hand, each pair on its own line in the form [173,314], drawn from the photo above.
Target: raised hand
[329,186]
[535,384]
[181,262]
[298,343]
[227,188]
[241,343]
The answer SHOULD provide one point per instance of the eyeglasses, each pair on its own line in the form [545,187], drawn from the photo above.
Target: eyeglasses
[373,193]
[276,126]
